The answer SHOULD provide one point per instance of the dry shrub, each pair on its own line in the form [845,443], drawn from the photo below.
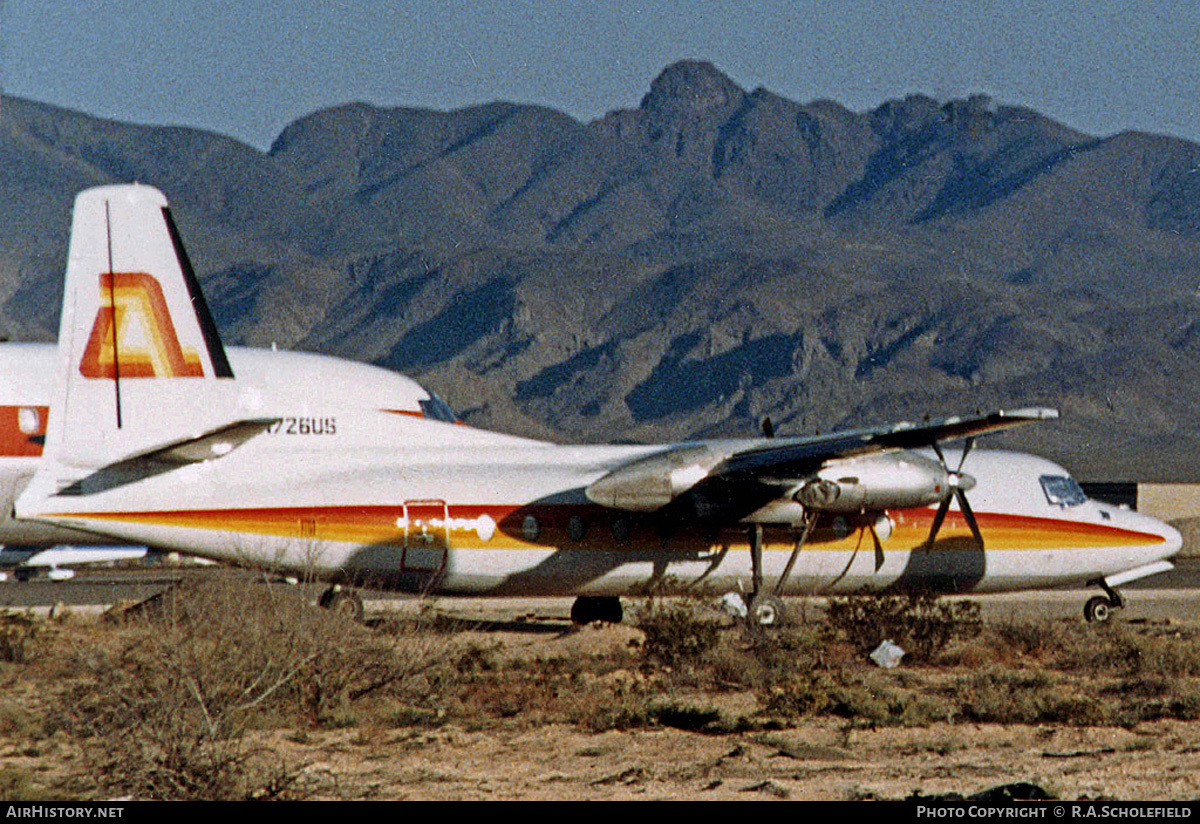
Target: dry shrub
[922,624]
[1153,698]
[18,785]
[1026,639]
[17,634]
[762,659]
[678,631]
[1024,697]
[166,715]
[1116,649]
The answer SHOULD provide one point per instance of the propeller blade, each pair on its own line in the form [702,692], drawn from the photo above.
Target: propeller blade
[878,548]
[938,451]
[969,515]
[937,520]
[967,447]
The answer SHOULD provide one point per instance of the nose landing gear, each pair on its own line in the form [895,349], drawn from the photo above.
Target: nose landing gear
[1099,608]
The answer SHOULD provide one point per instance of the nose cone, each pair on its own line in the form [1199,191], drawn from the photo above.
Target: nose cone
[1174,540]
[1171,541]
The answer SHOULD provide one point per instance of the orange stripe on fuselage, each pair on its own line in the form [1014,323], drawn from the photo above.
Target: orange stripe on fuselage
[380,525]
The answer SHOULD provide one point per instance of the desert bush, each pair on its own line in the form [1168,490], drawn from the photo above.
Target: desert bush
[804,693]
[1037,640]
[604,713]
[870,698]
[1037,697]
[167,714]
[921,623]
[18,785]
[677,631]
[17,634]
[762,659]
[1119,650]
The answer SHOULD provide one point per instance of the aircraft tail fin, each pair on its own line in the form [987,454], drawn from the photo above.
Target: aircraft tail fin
[140,363]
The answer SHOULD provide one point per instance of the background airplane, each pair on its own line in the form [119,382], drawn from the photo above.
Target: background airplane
[156,440]
[58,563]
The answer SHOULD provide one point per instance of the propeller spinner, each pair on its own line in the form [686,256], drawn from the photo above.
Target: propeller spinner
[958,483]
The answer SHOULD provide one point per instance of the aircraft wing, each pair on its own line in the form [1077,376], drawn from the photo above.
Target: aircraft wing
[746,473]
[784,458]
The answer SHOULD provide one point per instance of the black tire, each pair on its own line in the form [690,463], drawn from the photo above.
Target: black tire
[1097,610]
[588,609]
[343,602]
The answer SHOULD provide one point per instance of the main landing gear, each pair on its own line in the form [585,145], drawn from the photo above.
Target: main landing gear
[763,609]
[344,602]
[1099,607]
[588,609]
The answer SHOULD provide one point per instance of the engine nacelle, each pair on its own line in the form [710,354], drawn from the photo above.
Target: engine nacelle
[653,482]
[892,480]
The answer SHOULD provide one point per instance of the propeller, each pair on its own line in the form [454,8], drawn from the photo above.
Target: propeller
[768,428]
[881,522]
[957,485]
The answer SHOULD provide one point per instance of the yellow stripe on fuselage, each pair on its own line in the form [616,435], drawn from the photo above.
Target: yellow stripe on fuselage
[504,527]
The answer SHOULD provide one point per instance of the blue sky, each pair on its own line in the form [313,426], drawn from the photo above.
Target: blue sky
[250,67]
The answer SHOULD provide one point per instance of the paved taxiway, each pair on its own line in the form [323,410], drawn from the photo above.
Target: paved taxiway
[1173,596]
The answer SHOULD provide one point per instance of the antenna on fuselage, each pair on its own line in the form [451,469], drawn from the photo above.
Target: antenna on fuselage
[112,304]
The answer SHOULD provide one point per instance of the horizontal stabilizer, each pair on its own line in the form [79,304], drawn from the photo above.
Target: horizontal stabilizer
[207,447]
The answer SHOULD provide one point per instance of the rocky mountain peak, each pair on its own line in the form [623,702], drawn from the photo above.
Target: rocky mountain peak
[691,86]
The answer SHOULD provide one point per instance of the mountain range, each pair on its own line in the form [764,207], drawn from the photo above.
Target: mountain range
[685,268]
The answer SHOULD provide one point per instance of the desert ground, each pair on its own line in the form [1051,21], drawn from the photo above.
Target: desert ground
[215,694]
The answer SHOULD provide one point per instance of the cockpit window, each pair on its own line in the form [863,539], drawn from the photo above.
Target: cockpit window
[1062,490]
[437,409]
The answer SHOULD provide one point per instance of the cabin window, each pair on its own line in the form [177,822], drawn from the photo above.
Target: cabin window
[530,528]
[28,420]
[575,528]
[1062,490]
[620,530]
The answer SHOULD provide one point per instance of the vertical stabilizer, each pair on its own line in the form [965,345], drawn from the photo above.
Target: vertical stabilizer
[140,363]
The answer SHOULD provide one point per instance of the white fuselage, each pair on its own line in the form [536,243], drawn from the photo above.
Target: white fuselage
[408,503]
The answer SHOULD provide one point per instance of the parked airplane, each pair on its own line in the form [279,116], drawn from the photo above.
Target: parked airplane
[285,381]
[153,440]
[58,563]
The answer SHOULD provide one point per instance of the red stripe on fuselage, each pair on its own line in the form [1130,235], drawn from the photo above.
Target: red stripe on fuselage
[22,431]
[599,527]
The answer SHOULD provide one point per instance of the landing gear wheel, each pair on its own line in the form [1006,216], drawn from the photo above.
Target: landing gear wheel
[1097,610]
[588,609]
[767,611]
[344,602]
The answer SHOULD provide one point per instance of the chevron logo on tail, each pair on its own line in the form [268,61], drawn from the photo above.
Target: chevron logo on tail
[133,336]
